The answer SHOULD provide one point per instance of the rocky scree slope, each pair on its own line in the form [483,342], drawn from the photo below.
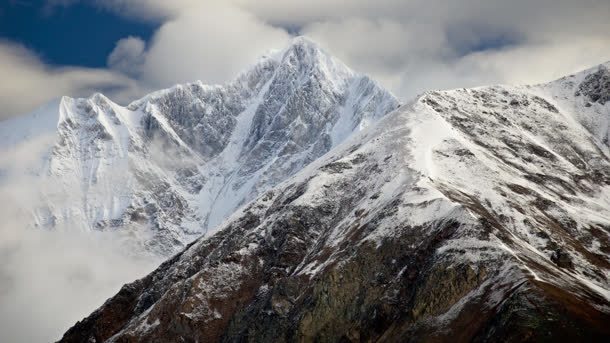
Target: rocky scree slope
[467,215]
[174,164]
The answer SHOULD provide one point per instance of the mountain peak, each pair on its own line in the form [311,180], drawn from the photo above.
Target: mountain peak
[305,50]
[220,145]
[306,58]
[299,51]
[303,45]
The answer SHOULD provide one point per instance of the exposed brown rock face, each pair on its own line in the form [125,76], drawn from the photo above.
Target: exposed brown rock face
[364,246]
[389,293]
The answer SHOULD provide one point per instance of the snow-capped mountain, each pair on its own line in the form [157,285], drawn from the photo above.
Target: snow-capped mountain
[174,164]
[466,215]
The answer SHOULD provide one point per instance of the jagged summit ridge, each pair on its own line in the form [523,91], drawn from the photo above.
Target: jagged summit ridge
[175,163]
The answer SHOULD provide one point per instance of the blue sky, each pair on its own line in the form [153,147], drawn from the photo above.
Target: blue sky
[80,34]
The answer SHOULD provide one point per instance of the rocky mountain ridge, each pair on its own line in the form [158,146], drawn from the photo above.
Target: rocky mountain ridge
[466,215]
[173,165]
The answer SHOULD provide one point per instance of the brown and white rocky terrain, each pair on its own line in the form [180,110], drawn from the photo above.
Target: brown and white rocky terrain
[466,215]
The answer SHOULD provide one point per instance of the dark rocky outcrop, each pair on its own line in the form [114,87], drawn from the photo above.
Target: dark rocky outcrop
[596,86]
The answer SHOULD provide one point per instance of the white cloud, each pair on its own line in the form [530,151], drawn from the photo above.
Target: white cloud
[27,83]
[212,43]
[410,58]
[51,279]
[128,55]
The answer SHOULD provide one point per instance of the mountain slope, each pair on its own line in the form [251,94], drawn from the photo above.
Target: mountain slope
[467,215]
[174,164]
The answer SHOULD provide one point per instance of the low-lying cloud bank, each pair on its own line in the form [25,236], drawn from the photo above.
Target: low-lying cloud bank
[51,279]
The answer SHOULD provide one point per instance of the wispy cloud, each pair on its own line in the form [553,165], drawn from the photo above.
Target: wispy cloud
[28,82]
